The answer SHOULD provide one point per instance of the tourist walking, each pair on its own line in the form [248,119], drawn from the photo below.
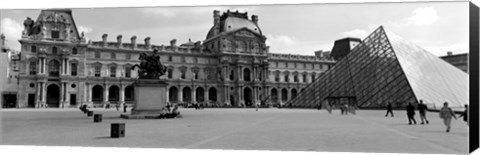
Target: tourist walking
[422,109]
[411,113]
[328,107]
[257,104]
[125,108]
[465,114]
[446,113]
[389,110]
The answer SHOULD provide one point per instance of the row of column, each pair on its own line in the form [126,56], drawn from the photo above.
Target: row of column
[193,95]
[42,63]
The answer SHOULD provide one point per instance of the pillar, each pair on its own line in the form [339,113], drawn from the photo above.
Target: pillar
[105,95]
[180,95]
[62,95]
[122,94]
[194,94]
[89,93]
[39,95]
[44,65]
[44,93]
[67,94]
[168,95]
[206,92]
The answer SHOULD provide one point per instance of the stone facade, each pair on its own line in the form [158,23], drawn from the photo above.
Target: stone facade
[458,60]
[232,67]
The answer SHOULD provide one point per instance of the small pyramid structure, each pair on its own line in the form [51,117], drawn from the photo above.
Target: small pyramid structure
[384,69]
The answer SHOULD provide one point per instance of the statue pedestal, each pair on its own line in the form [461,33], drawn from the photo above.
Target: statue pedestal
[150,98]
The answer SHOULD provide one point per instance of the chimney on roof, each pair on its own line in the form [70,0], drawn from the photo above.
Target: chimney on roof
[119,40]
[147,42]
[449,53]
[255,19]
[173,42]
[2,40]
[216,17]
[133,40]
[104,38]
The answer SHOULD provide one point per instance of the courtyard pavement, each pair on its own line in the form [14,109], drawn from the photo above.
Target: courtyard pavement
[239,129]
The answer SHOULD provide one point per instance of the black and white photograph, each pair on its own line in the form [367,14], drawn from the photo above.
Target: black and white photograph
[358,77]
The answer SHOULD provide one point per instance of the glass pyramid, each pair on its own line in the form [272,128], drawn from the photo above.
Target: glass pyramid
[385,68]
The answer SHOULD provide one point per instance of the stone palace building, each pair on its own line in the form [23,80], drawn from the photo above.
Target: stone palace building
[231,67]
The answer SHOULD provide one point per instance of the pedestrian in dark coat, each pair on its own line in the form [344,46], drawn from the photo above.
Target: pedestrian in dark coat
[465,114]
[411,113]
[422,109]
[389,110]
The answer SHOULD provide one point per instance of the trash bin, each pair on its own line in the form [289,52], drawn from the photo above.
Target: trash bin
[89,113]
[117,130]
[97,118]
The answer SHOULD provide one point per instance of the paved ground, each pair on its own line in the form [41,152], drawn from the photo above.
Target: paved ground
[239,129]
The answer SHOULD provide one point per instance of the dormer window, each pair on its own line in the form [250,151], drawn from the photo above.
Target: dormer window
[55,34]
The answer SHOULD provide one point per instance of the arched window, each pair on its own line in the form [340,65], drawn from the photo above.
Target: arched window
[295,78]
[33,67]
[54,68]
[304,78]
[313,77]
[286,78]
[246,74]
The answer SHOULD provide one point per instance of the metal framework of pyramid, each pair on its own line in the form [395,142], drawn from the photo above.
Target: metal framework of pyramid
[385,68]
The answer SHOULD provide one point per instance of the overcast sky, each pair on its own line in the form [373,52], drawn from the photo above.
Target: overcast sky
[299,29]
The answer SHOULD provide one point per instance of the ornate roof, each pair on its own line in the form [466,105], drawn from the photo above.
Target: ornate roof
[232,21]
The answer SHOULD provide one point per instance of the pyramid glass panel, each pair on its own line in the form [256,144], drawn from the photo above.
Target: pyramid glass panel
[384,69]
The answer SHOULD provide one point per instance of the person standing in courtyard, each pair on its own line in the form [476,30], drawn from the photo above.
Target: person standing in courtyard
[446,113]
[465,114]
[389,109]
[411,113]
[257,104]
[422,109]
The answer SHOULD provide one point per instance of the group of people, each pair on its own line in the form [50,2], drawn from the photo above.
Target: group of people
[344,108]
[198,106]
[169,112]
[446,113]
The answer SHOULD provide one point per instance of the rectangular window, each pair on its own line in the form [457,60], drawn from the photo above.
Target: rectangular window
[97,54]
[170,73]
[55,34]
[98,71]
[128,56]
[170,58]
[33,68]
[74,69]
[195,75]
[183,75]
[127,72]
[113,56]
[113,71]
[34,49]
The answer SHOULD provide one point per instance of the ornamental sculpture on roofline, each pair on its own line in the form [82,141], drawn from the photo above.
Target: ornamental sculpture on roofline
[150,66]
